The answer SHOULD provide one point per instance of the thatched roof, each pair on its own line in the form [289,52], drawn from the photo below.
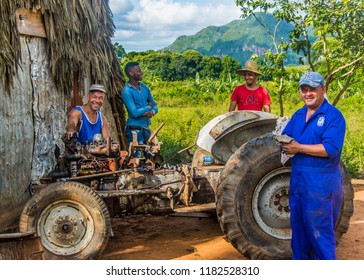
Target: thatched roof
[9,41]
[79,36]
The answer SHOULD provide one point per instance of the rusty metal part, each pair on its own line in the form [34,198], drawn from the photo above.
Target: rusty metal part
[170,195]
[211,173]
[188,188]
[99,175]
[154,134]
[101,149]
[119,193]
[162,184]
[187,149]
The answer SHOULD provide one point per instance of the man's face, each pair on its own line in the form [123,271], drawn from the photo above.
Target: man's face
[137,73]
[313,97]
[249,77]
[96,99]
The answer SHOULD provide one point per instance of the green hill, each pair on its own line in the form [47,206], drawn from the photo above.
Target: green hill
[238,39]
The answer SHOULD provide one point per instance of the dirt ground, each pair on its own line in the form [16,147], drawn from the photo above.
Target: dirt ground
[200,238]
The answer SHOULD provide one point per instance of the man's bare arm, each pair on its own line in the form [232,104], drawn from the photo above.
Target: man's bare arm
[105,128]
[73,122]
[232,106]
[314,150]
[266,108]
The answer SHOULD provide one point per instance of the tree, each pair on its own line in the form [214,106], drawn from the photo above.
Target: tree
[229,67]
[339,50]
[194,61]
[168,66]
[337,26]
[119,50]
[158,64]
[212,67]
[180,65]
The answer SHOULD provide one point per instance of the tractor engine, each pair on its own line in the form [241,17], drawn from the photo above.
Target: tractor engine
[99,156]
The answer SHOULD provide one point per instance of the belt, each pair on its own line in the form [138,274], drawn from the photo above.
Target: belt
[132,127]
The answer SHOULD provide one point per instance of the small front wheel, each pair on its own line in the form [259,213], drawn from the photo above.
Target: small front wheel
[71,220]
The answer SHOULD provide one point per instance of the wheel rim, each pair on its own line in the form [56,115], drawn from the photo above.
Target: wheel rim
[270,203]
[65,227]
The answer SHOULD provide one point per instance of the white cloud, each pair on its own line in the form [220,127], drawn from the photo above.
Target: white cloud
[120,6]
[155,24]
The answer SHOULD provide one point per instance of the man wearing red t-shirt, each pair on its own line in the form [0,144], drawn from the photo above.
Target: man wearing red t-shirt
[250,96]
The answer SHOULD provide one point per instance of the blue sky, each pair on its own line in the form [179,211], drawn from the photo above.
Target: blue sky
[154,24]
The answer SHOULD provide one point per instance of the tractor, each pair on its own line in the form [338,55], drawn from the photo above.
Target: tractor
[236,164]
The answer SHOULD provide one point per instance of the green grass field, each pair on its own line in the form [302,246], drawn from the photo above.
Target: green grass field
[185,108]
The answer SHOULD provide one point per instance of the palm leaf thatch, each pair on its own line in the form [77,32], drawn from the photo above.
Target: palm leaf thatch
[9,42]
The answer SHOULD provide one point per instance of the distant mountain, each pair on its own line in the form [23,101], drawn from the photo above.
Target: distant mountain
[238,39]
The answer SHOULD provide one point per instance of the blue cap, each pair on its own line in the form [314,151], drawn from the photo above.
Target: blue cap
[312,79]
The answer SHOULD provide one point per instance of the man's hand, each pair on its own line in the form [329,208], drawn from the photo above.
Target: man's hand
[291,148]
[149,114]
[73,122]
[294,147]
[69,134]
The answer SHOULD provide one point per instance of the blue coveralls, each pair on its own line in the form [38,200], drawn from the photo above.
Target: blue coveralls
[136,103]
[87,128]
[316,185]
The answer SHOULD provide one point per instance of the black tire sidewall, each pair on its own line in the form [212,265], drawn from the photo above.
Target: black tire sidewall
[263,158]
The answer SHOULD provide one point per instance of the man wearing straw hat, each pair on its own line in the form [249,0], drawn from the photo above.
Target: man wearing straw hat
[250,96]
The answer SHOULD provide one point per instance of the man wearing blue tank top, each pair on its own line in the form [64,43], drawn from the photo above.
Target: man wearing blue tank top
[85,121]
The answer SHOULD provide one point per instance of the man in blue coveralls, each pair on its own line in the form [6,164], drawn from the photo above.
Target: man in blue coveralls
[318,130]
[140,105]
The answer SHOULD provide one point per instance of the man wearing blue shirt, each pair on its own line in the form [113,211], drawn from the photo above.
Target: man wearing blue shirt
[318,130]
[139,104]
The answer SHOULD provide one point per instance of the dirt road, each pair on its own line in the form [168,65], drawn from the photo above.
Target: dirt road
[200,238]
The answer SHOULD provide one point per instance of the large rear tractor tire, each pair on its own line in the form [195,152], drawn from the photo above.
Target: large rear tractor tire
[71,220]
[252,201]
